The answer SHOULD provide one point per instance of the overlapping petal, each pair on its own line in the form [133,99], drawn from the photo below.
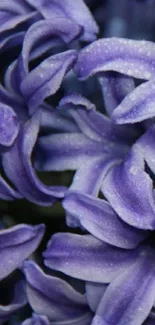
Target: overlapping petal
[75,10]
[52,296]
[129,190]
[130,296]
[137,106]
[97,217]
[87,258]
[129,57]
[18,166]
[115,87]
[16,244]
[94,293]
[60,30]
[46,79]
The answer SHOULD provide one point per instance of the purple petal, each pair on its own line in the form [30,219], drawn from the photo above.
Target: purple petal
[7,192]
[98,218]
[87,258]
[9,125]
[52,296]
[130,57]
[46,79]
[137,106]
[146,146]
[130,296]
[36,320]
[94,293]
[65,151]
[18,167]
[51,119]
[16,244]
[129,190]
[62,29]
[115,87]
[89,176]
[92,123]
[75,10]
[18,301]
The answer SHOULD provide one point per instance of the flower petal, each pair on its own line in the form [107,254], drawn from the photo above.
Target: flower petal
[65,151]
[36,320]
[129,57]
[137,106]
[87,258]
[46,78]
[98,218]
[130,296]
[146,146]
[52,296]
[62,29]
[16,244]
[77,11]
[94,293]
[129,190]
[115,87]
[9,125]
[18,167]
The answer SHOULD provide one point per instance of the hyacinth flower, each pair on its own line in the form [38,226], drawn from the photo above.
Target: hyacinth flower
[128,188]
[16,244]
[109,273]
[25,93]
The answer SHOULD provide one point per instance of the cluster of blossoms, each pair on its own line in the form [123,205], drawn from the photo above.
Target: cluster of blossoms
[105,273]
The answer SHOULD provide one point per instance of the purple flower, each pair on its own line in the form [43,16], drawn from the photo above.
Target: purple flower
[129,297]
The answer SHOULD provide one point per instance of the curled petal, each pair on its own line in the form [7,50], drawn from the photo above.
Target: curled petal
[77,11]
[137,106]
[46,78]
[18,301]
[52,296]
[130,296]
[62,29]
[87,258]
[18,167]
[9,125]
[96,216]
[93,124]
[129,190]
[16,244]
[115,87]
[94,293]
[129,57]
[36,320]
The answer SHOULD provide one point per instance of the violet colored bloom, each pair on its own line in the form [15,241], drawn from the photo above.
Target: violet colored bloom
[129,273]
